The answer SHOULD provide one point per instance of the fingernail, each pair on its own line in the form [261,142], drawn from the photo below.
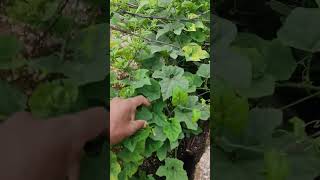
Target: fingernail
[145,124]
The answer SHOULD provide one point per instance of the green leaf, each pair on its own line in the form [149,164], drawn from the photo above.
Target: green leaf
[179,96]
[303,165]
[231,112]
[205,111]
[152,92]
[142,175]
[276,165]
[141,78]
[162,152]
[301,29]
[171,76]
[298,127]
[127,92]
[115,168]
[157,134]
[204,71]
[12,100]
[10,47]
[172,129]
[199,36]
[141,135]
[280,61]
[186,117]
[280,7]
[270,118]
[260,87]
[190,27]
[258,61]
[126,156]
[141,5]
[267,57]
[152,146]
[175,53]
[144,114]
[250,40]
[174,144]
[172,170]
[178,27]
[47,64]
[128,170]
[194,81]
[193,52]
[53,98]
[200,25]
[166,28]
[164,3]
[159,118]
[89,53]
[232,68]
[196,114]
[168,72]
[224,32]
[159,48]
[192,16]
[227,168]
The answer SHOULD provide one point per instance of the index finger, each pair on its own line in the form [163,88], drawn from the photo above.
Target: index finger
[139,100]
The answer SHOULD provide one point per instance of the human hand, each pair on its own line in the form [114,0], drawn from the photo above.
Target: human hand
[33,149]
[122,117]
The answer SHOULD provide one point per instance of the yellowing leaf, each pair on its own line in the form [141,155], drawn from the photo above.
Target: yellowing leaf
[196,114]
[190,27]
[192,16]
[193,52]
[115,168]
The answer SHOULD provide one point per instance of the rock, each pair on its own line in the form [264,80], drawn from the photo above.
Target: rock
[202,171]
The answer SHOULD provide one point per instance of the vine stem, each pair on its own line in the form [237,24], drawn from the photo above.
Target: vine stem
[316,122]
[159,17]
[59,11]
[299,85]
[300,100]
[184,107]
[304,58]
[239,146]
[203,93]
[113,27]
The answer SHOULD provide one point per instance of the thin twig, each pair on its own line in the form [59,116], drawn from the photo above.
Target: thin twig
[300,100]
[55,20]
[147,39]
[203,93]
[298,85]
[158,17]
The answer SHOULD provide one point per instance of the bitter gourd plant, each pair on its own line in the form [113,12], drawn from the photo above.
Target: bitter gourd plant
[251,138]
[66,78]
[160,49]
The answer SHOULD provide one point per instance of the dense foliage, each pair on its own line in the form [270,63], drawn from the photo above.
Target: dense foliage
[68,77]
[252,137]
[160,49]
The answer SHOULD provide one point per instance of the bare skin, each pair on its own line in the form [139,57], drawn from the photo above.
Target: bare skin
[33,149]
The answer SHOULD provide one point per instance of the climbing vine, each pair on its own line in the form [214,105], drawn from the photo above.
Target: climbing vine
[160,49]
[254,137]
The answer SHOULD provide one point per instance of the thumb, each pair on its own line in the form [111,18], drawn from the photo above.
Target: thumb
[136,125]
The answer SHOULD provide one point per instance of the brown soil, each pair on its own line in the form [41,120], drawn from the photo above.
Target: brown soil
[190,151]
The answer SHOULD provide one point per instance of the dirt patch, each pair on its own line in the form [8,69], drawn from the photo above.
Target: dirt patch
[190,151]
